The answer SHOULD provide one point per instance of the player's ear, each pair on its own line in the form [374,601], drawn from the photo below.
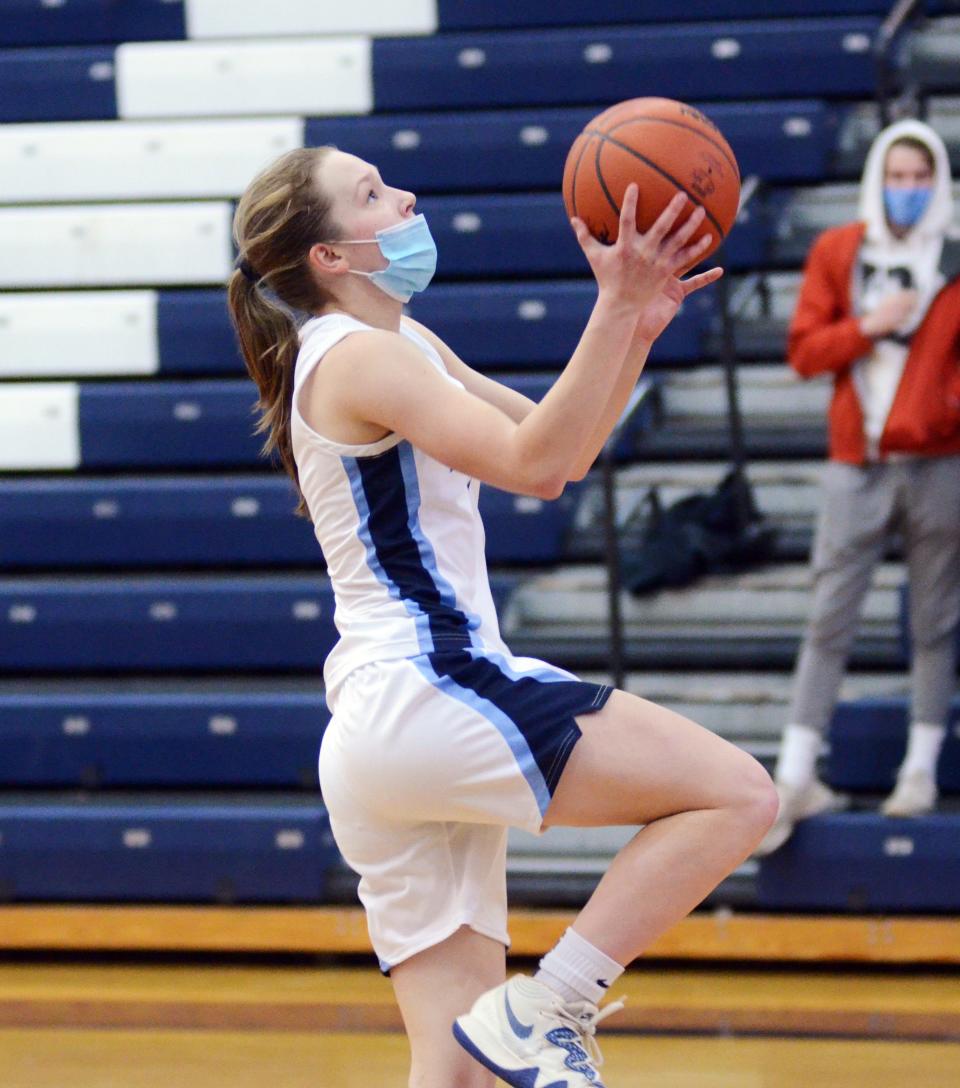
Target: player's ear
[324,259]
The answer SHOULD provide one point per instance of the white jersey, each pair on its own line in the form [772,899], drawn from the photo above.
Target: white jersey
[401,534]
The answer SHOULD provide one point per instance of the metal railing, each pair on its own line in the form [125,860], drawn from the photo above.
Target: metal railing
[902,13]
[729,308]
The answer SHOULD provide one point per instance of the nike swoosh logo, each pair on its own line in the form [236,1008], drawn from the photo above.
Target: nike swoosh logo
[522,1031]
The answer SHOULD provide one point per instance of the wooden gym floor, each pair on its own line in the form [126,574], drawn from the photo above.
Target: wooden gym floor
[242,1025]
[259,1059]
[131,997]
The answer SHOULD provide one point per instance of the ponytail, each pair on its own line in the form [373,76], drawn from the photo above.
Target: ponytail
[269,342]
[279,217]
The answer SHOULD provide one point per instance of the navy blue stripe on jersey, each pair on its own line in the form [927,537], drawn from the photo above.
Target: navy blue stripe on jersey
[398,552]
[534,715]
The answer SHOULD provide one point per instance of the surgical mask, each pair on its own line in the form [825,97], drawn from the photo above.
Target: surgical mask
[905,207]
[411,255]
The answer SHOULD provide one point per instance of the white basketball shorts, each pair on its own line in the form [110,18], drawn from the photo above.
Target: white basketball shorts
[424,765]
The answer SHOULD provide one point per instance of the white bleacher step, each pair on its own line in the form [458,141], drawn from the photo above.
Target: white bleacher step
[763,304]
[212,19]
[771,393]
[769,603]
[787,493]
[748,709]
[933,53]
[783,416]
[815,209]
[130,245]
[861,124]
[132,160]
[780,289]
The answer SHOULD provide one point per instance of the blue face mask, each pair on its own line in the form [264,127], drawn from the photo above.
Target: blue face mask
[905,207]
[411,254]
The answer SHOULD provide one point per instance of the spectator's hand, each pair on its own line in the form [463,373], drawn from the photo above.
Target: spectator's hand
[889,315]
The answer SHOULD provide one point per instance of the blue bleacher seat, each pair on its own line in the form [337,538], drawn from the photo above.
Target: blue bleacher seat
[523,529]
[196,424]
[77,22]
[474,151]
[868,741]
[865,862]
[90,524]
[492,325]
[194,334]
[194,624]
[173,740]
[61,84]
[39,22]
[464,15]
[529,235]
[500,325]
[168,423]
[787,57]
[244,521]
[143,849]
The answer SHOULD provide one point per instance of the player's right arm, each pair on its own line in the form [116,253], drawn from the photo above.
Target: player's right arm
[380,378]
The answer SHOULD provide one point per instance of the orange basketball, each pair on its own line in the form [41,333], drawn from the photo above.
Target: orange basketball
[665,147]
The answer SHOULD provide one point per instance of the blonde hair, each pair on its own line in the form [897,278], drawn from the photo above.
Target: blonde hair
[280,216]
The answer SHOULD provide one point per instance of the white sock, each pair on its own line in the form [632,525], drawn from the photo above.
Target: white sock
[576,970]
[797,761]
[923,748]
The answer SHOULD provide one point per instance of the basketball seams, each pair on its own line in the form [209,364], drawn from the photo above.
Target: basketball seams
[653,166]
[677,124]
[576,168]
[600,177]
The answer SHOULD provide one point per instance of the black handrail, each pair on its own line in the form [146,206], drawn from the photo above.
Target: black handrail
[748,190]
[898,16]
[641,394]
[728,358]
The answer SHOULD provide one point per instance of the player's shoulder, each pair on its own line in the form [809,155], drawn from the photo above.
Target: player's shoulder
[369,345]
[451,361]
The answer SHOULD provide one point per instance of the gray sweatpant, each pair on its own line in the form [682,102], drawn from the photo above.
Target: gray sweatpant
[862,505]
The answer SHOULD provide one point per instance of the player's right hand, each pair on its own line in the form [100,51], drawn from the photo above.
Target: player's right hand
[638,265]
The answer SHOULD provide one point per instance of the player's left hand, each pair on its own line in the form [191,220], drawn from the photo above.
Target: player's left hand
[658,313]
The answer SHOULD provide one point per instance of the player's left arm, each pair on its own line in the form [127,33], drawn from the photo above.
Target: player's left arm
[509,401]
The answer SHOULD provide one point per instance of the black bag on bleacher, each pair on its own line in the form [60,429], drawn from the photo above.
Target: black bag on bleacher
[720,530]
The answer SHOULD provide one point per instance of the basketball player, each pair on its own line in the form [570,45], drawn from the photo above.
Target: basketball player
[440,738]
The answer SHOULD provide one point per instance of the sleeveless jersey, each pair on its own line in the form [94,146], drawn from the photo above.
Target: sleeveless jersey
[400,531]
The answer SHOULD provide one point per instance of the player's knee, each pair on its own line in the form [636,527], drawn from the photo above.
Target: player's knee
[755,797]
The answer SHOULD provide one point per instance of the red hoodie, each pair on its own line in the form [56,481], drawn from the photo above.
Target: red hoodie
[825,337]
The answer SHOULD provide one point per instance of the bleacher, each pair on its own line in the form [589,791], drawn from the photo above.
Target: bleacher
[164,616]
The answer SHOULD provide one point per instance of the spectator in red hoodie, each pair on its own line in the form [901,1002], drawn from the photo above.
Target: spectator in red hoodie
[879,309]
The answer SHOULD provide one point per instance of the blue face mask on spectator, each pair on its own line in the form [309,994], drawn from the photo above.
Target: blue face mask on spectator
[905,207]
[411,254]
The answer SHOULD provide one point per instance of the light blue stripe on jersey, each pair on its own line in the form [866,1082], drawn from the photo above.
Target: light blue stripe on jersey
[420,618]
[507,728]
[408,466]
[544,675]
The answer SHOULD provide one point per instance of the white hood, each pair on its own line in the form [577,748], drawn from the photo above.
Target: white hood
[937,218]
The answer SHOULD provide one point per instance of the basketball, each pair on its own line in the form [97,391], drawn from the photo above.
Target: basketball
[665,147]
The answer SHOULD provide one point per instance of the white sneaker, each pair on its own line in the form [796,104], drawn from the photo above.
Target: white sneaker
[915,794]
[531,1038]
[799,803]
